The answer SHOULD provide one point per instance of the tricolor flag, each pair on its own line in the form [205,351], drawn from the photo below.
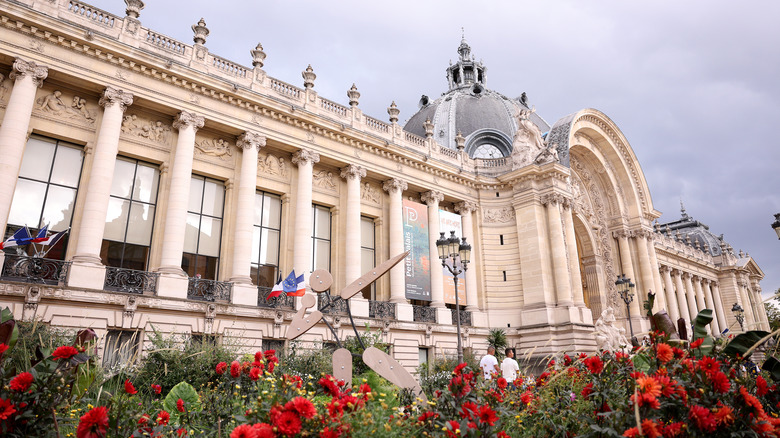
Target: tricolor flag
[41,236]
[277,290]
[20,237]
[51,240]
[294,286]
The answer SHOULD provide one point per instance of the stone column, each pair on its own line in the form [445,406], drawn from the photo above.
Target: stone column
[101,175]
[659,283]
[353,174]
[714,294]
[395,187]
[27,76]
[671,298]
[305,160]
[250,143]
[709,303]
[628,270]
[560,264]
[747,304]
[574,256]
[179,192]
[645,267]
[431,199]
[466,209]
[691,295]
[700,302]
[681,297]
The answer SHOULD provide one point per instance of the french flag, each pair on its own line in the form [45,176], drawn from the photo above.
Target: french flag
[20,237]
[294,286]
[51,240]
[277,290]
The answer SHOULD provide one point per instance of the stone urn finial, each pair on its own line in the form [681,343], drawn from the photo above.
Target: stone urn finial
[201,32]
[258,56]
[460,141]
[308,77]
[393,111]
[134,8]
[428,128]
[353,95]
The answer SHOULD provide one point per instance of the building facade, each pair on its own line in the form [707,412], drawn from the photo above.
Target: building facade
[191,183]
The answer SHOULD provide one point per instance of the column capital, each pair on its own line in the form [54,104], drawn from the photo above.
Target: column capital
[686,275]
[466,207]
[353,172]
[305,156]
[394,185]
[552,198]
[251,139]
[116,96]
[432,197]
[621,234]
[664,269]
[24,68]
[185,119]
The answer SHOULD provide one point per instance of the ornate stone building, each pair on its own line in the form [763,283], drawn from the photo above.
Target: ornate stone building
[191,183]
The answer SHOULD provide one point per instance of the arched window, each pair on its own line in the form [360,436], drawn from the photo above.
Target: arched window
[487,144]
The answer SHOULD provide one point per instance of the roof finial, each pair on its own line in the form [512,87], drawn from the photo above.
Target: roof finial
[463,33]
[682,209]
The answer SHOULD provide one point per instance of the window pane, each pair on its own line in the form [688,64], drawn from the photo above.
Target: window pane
[59,208]
[27,204]
[213,196]
[116,219]
[269,252]
[191,233]
[67,166]
[123,178]
[266,276]
[258,209]
[321,254]
[188,264]
[210,229]
[139,230]
[366,260]
[322,222]
[272,212]
[196,195]
[111,253]
[135,256]
[366,232]
[145,189]
[255,244]
[37,159]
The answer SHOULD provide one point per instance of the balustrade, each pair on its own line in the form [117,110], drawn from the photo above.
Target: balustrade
[381,309]
[208,290]
[229,67]
[26,269]
[424,313]
[164,42]
[333,107]
[414,139]
[377,125]
[283,301]
[130,281]
[285,89]
[337,304]
[465,317]
[452,153]
[92,13]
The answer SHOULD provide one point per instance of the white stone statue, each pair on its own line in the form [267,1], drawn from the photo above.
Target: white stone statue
[547,155]
[609,337]
[527,143]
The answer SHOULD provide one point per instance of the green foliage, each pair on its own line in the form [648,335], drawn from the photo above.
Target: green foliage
[497,338]
[32,336]
[703,319]
[744,342]
[437,374]
[370,339]
[773,311]
[187,394]
[307,362]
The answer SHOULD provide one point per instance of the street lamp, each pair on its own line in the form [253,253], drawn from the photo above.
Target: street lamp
[776,224]
[739,313]
[458,254]
[626,290]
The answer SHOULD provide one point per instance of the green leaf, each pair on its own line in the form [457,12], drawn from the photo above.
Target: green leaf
[743,342]
[186,392]
[772,365]
[703,319]
[641,362]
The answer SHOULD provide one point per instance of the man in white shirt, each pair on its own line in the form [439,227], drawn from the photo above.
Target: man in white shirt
[489,363]
[509,366]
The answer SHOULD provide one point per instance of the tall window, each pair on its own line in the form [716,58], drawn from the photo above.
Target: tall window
[265,239]
[367,253]
[204,228]
[121,347]
[47,187]
[130,217]
[320,238]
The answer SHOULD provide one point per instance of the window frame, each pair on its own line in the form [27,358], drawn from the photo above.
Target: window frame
[315,239]
[372,292]
[116,358]
[200,222]
[258,265]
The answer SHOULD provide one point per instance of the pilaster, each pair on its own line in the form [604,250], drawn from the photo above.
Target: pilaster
[395,187]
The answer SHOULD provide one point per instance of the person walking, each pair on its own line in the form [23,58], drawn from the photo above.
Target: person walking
[489,363]
[509,367]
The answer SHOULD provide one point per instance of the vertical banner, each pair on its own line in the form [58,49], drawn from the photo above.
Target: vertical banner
[449,222]
[417,265]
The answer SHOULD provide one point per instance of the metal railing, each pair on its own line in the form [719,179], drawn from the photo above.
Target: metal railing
[424,313]
[130,281]
[465,317]
[208,290]
[35,270]
[381,309]
[281,302]
[338,304]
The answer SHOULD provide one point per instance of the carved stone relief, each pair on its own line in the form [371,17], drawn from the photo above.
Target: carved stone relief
[369,193]
[498,215]
[3,87]
[527,143]
[54,104]
[215,147]
[272,165]
[324,179]
[138,126]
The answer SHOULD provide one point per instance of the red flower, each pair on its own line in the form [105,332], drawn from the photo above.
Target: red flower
[269,353]
[303,406]
[664,353]
[65,352]
[129,388]
[752,402]
[288,423]
[566,360]
[328,384]
[631,433]
[697,343]
[501,382]
[22,382]
[587,390]
[3,347]
[93,424]
[365,389]
[709,365]
[180,405]
[594,364]
[427,415]
[143,424]
[487,415]
[157,389]
[761,386]
[264,430]
[672,430]
[724,416]
[459,368]
[163,418]
[235,369]
[526,397]
[702,418]
[502,434]
[180,432]
[678,353]
[650,428]
[468,409]
[221,368]
[453,429]
[649,385]
[6,409]
[324,433]
[720,382]
[254,373]
[244,431]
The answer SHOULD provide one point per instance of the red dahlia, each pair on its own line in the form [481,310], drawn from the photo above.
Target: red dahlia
[6,409]
[129,388]
[93,424]
[244,431]
[221,368]
[288,423]
[65,352]
[22,382]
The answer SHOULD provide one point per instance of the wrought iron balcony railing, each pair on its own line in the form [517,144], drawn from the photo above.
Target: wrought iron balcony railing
[130,281]
[424,313]
[381,309]
[35,270]
[209,290]
[281,302]
[338,305]
[465,317]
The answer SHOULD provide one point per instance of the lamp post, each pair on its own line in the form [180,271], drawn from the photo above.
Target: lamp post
[776,224]
[626,290]
[739,313]
[455,255]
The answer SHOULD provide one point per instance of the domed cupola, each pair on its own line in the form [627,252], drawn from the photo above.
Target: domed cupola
[487,119]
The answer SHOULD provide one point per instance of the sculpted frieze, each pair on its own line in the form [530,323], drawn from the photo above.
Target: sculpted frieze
[138,126]
[369,193]
[214,147]
[498,215]
[324,179]
[271,165]
[54,104]
[3,87]
[527,143]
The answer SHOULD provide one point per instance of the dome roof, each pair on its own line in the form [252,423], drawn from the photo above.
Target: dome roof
[487,119]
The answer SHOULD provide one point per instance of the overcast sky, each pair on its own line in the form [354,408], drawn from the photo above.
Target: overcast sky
[693,85]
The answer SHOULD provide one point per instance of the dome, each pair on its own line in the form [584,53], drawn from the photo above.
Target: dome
[485,118]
